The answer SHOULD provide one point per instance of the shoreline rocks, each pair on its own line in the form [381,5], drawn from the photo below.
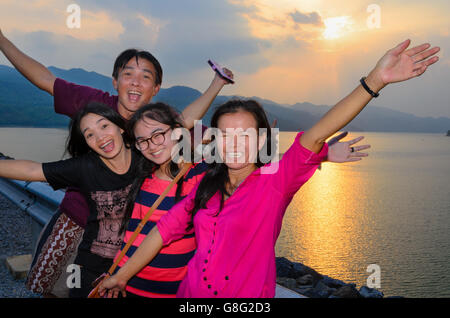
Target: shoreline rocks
[308,282]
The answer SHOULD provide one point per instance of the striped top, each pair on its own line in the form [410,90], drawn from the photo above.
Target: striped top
[162,276]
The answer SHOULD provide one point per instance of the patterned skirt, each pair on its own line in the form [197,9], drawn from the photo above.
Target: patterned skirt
[55,251]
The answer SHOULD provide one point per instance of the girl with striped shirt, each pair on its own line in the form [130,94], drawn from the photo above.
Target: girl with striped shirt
[150,129]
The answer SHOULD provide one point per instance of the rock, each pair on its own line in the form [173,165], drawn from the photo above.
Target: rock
[287,282]
[367,292]
[322,290]
[19,265]
[284,267]
[347,291]
[305,280]
[302,270]
[311,293]
[333,283]
[304,290]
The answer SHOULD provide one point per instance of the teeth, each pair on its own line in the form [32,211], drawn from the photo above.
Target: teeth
[104,145]
[157,153]
[134,93]
[234,154]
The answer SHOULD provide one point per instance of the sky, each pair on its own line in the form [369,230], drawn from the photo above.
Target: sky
[288,51]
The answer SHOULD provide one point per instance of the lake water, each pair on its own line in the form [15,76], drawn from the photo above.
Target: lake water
[391,209]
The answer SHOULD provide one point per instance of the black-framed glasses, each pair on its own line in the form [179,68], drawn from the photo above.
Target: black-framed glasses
[156,139]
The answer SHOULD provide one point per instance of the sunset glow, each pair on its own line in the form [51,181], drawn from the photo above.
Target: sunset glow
[287,51]
[337,27]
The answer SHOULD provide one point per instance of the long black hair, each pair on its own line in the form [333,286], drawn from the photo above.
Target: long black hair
[216,177]
[167,115]
[76,143]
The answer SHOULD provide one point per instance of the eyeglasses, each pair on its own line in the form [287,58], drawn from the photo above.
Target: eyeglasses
[156,139]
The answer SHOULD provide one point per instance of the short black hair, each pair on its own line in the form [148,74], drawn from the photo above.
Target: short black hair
[127,55]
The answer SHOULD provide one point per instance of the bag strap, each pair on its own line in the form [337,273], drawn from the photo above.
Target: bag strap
[183,171]
[147,216]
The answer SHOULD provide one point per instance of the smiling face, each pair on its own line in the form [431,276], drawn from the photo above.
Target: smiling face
[102,136]
[239,144]
[161,135]
[135,85]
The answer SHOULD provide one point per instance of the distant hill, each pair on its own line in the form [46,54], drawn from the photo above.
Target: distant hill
[22,104]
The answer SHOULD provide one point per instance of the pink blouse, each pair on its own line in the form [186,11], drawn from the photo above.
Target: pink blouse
[235,254]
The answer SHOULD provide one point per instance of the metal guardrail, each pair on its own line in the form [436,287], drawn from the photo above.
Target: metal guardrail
[37,199]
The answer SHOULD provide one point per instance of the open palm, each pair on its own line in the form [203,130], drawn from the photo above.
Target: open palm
[399,64]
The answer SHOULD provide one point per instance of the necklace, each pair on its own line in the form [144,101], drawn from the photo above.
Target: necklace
[235,187]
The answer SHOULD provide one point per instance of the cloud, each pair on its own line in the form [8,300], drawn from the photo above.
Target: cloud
[51,16]
[184,34]
[65,51]
[306,18]
[275,47]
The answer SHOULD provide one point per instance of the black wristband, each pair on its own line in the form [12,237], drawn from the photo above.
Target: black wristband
[371,92]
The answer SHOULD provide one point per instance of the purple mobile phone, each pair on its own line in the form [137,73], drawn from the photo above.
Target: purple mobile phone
[218,69]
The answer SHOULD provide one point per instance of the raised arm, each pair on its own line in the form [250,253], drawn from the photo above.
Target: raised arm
[34,71]
[148,249]
[198,108]
[24,170]
[398,64]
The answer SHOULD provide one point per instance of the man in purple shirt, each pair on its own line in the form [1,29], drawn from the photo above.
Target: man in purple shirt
[137,77]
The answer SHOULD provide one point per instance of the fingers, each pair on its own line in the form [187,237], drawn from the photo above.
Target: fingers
[358,148]
[424,55]
[417,49]
[362,147]
[228,72]
[114,293]
[422,59]
[101,291]
[401,47]
[419,71]
[354,141]
[422,66]
[358,154]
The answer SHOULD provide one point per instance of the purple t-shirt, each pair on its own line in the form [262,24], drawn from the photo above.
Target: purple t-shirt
[68,99]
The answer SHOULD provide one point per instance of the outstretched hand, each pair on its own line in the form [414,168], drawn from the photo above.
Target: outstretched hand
[340,152]
[400,64]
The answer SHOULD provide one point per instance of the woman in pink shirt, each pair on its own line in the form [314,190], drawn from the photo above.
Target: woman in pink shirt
[237,208]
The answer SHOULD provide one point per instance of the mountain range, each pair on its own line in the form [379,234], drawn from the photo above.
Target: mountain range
[22,104]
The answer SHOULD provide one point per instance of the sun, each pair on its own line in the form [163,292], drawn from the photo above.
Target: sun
[337,27]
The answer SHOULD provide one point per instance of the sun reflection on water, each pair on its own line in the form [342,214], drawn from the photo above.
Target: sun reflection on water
[322,224]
